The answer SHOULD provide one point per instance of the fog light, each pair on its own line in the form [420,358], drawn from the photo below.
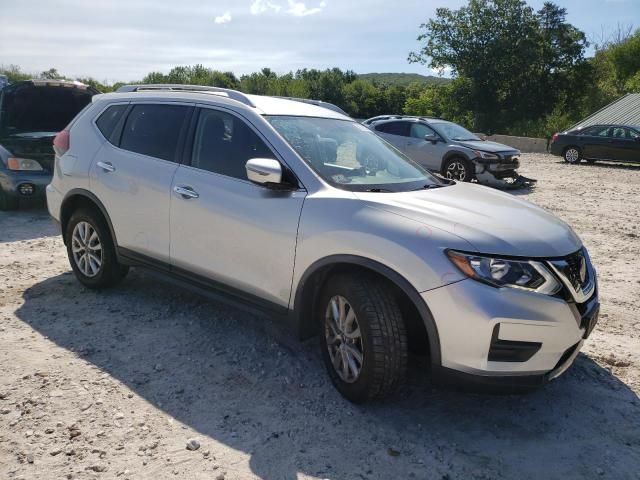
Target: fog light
[26,189]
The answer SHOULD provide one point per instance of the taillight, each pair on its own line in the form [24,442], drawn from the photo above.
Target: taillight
[61,143]
[555,135]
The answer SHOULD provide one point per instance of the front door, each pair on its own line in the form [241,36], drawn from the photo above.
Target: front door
[225,228]
[425,152]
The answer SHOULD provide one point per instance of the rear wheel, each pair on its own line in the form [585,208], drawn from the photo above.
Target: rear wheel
[572,155]
[458,168]
[91,250]
[7,202]
[363,340]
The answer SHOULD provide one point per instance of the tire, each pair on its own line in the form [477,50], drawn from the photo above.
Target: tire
[8,202]
[100,269]
[459,169]
[572,155]
[382,341]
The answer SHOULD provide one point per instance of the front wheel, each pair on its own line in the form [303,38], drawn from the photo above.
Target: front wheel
[363,338]
[91,251]
[459,169]
[572,155]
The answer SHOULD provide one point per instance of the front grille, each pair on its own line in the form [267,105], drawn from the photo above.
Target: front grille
[577,274]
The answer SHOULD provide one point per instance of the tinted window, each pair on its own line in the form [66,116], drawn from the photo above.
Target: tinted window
[419,130]
[596,131]
[154,130]
[223,144]
[633,134]
[107,121]
[395,128]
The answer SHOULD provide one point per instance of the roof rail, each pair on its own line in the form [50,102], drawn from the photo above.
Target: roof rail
[232,94]
[318,103]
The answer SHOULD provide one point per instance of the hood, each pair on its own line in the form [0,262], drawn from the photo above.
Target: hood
[493,222]
[486,146]
[32,112]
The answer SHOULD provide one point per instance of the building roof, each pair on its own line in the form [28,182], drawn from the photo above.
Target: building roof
[624,111]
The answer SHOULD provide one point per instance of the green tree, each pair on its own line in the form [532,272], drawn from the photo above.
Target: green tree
[518,62]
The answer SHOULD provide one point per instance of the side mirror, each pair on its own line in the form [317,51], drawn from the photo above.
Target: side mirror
[431,138]
[264,171]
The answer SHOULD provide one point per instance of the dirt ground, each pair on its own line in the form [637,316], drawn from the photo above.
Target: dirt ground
[114,384]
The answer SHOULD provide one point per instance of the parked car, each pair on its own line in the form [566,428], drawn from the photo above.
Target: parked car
[451,150]
[32,112]
[598,142]
[305,213]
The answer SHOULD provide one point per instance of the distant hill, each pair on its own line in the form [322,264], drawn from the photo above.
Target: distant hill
[402,79]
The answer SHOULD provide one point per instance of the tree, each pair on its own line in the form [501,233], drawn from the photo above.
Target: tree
[51,74]
[518,62]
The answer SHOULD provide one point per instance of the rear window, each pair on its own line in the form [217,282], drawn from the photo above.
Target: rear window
[154,130]
[108,119]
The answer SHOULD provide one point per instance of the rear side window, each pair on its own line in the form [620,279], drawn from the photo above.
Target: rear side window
[596,131]
[395,128]
[223,143]
[108,120]
[154,130]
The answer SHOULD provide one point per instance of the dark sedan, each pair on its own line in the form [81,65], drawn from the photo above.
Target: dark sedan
[598,142]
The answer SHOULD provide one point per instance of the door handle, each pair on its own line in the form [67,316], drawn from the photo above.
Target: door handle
[106,166]
[186,192]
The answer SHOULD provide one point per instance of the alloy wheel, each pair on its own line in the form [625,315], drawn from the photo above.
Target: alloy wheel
[457,171]
[343,339]
[87,249]
[572,155]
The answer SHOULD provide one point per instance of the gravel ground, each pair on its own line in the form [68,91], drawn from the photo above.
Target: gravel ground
[117,384]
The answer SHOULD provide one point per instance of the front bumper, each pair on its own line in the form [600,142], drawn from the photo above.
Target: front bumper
[468,314]
[11,182]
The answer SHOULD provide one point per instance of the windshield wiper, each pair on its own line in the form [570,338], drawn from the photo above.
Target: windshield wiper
[378,190]
[428,187]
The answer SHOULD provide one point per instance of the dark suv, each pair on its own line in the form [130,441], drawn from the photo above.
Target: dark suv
[598,142]
[32,112]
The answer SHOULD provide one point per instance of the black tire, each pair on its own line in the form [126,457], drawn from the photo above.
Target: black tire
[572,155]
[459,169]
[8,202]
[383,338]
[110,272]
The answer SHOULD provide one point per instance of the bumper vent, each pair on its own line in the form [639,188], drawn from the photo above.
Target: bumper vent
[510,350]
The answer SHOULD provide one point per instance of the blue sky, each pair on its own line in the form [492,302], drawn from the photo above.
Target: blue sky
[124,39]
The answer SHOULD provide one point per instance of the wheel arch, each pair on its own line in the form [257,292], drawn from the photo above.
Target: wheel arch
[421,327]
[78,198]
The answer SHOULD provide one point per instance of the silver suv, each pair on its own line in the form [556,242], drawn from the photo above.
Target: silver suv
[451,150]
[304,212]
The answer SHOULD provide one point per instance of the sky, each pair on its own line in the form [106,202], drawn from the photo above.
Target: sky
[122,40]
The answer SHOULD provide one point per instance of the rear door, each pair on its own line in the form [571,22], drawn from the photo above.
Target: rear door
[225,228]
[424,152]
[596,142]
[132,174]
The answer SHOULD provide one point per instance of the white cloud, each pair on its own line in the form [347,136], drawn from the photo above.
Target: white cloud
[261,6]
[299,9]
[222,19]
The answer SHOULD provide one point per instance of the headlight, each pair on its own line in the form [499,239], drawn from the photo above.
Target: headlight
[487,155]
[22,164]
[499,272]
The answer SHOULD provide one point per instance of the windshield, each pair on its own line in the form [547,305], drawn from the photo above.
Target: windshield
[350,156]
[453,131]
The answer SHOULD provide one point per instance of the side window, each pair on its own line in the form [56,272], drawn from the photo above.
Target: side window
[223,143]
[419,130]
[619,132]
[633,134]
[154,130]
[596,131]
[108,119]
[395,128]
